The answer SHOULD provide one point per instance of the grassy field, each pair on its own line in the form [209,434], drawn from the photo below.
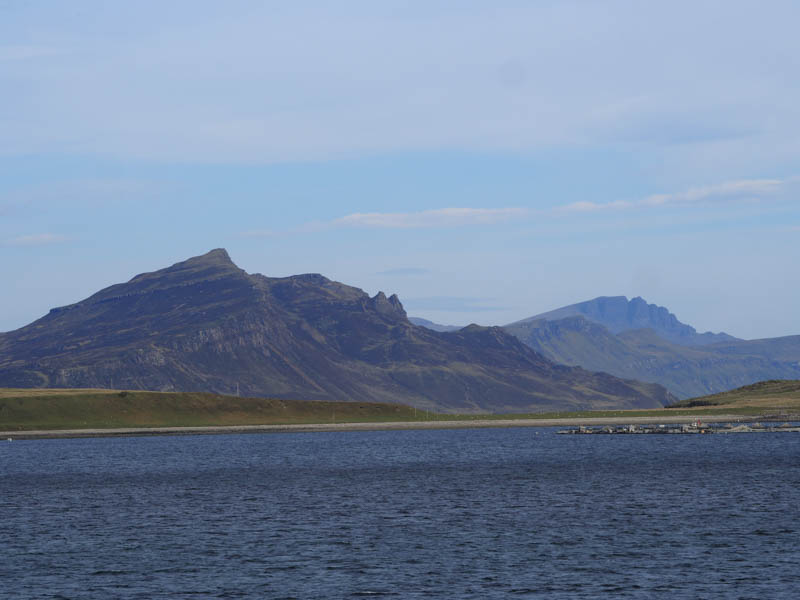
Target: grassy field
[22,410]
[773,395]
[28,409]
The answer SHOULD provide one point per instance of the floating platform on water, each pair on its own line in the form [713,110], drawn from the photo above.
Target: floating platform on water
[682,429]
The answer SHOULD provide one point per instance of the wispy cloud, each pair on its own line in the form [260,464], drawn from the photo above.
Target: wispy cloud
[746,189]
[37,239]
[404,271]
[442,217]
[586,206]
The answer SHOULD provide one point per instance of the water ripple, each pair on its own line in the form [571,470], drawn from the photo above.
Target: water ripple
[450,514]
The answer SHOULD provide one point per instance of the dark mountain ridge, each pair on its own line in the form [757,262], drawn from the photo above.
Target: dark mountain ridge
[205,325]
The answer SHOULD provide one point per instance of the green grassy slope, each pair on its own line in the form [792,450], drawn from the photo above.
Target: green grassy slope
[55,409]
[776,393]
[98,409]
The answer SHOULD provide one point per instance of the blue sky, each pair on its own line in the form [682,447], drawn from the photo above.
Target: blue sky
[485,161]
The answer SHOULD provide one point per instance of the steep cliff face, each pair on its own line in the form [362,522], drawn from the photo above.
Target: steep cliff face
[206,325]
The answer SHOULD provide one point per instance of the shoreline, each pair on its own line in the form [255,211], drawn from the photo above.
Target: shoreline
[386,426]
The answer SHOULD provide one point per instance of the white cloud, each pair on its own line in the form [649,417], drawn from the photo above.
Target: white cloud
[37,239]
[587,206]
[442,217]
[746,189]
[731,190]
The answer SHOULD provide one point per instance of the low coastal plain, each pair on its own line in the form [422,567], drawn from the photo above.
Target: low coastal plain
[47,413]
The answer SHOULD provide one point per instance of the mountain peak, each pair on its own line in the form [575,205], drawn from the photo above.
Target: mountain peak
[215,256]
[216,261]
[619,314]
[213,265]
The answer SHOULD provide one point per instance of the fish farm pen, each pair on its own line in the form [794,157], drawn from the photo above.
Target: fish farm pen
[682,429]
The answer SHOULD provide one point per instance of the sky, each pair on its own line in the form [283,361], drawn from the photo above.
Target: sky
[486,161]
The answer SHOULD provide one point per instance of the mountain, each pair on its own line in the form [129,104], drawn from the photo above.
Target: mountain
[685,370]
[780,349]
[431,325]
[618,314]
[206,325]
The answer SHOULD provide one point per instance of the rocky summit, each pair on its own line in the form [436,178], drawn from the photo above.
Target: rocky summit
[618,314]
[206,325]
[636,340]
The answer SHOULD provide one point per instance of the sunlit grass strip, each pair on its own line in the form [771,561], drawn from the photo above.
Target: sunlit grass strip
[24,410]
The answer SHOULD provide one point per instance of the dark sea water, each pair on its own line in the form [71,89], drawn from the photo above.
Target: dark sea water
[490,513]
